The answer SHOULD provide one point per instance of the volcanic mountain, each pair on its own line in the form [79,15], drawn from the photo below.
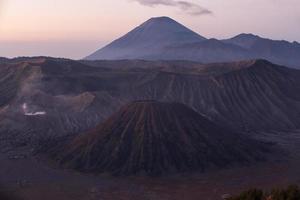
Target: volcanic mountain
[162,38]
[152,138]
[68,97]
[147,40]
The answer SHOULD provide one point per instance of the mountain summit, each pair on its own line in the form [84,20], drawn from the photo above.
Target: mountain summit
[147,40]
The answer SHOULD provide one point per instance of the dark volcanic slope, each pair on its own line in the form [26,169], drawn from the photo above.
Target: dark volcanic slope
[64,96]
[249,95]
[151,137]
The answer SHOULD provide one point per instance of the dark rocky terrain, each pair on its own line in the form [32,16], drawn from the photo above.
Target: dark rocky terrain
[49,97]
[154,138]
[65,97]
[163,38]
[32,179]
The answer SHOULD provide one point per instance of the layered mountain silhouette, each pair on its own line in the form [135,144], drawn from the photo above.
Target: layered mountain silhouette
[162,38]
[153,138]
[281,52]
[74,96]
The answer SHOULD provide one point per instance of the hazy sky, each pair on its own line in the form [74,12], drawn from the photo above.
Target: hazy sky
[75,28]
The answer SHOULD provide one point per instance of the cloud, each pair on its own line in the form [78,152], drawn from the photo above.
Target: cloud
[193,9]
[188,7]
[157,2]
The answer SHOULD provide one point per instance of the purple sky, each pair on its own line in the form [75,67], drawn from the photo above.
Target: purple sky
[75,28]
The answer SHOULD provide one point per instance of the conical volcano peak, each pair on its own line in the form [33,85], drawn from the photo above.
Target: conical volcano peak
[162,19]
[166,27]
[147,40]
[154,103]
[165,21]
[152,138]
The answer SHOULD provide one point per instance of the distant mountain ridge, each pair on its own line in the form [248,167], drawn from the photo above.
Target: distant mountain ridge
[276,51]
[163,38]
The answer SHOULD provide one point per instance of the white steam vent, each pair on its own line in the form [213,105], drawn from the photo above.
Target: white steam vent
[27,111]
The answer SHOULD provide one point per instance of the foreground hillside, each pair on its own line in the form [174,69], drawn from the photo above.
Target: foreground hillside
[45,97]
